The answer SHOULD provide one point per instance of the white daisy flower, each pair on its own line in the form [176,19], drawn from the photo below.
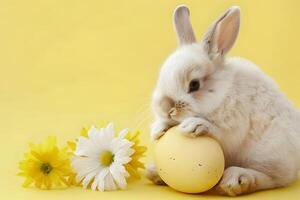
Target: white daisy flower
[100,158]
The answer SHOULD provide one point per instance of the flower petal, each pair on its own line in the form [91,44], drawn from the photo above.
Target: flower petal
[92,133]
[123,133]
[124,153]
[83,166]
[118,176]
[85,147]
[89,177]
[110,130]
[118,144]
[109,182]
[101,178]
[124,160]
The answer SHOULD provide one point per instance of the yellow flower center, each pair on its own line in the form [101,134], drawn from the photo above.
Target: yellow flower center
[46,168]
[106,158]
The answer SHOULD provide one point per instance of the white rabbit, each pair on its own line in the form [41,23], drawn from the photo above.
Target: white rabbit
[231,100]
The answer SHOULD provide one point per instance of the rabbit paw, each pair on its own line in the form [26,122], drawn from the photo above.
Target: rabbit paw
[235,181]
[153,176]
[194,126]
[158,129]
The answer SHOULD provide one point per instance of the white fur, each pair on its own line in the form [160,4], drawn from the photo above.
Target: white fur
[240,106]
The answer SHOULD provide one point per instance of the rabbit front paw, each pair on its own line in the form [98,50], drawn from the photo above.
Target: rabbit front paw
[158,129]
[153,176]
[195,126]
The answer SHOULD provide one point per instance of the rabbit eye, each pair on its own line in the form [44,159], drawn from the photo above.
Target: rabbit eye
[194,86]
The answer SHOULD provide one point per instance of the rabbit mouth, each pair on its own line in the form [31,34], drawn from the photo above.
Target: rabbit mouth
[173,112]
[180,111]
[178,108]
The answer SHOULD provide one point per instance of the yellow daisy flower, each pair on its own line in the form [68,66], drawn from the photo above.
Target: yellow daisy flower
[46,166]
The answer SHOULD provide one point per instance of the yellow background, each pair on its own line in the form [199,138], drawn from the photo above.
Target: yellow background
[70,63]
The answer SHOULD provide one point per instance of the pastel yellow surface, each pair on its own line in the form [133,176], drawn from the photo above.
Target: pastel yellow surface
[183,169]
[67,64]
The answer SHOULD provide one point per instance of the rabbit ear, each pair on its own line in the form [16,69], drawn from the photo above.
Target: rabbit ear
[183,27]
[222,34]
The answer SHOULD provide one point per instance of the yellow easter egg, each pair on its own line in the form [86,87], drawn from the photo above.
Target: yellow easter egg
[190,165]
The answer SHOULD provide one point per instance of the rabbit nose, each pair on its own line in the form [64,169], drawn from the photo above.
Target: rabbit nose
[179,104]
